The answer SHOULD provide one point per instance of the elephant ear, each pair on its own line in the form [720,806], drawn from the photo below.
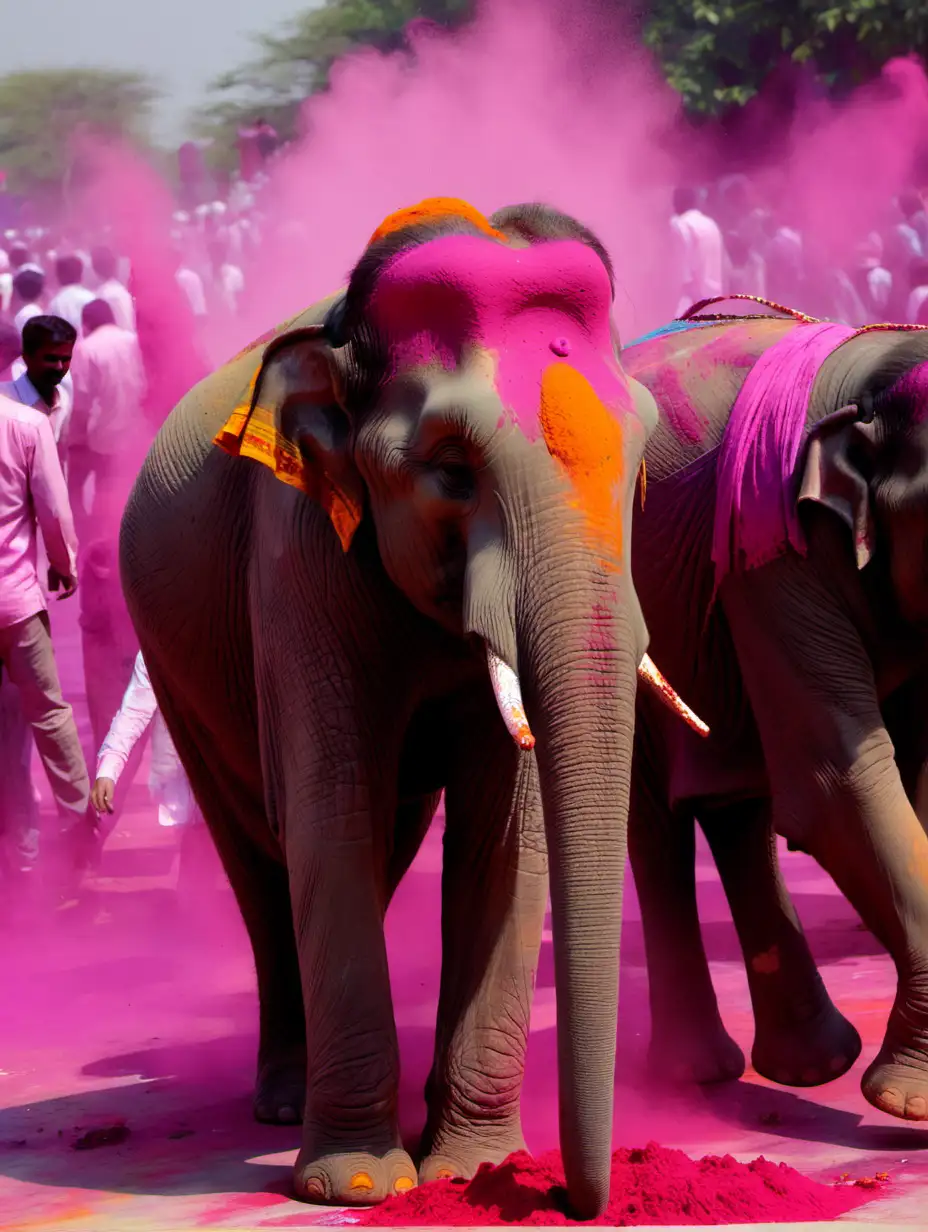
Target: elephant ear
[835,474]
[289,419]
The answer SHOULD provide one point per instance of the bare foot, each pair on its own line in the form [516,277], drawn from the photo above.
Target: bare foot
[694,1052]
[897,1081]
[354,1178]
[805,1047]
[280,1090]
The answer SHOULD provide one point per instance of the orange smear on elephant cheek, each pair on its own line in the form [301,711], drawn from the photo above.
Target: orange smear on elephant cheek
[582,434]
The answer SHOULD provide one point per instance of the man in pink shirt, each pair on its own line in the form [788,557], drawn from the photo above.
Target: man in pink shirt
[33,492]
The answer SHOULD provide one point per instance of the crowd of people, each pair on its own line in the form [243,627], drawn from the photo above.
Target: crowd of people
[74,379]
[725,240]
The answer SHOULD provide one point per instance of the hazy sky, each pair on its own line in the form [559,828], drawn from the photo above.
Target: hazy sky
[183,44]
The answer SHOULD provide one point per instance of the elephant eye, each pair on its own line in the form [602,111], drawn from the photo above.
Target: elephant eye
[451,467]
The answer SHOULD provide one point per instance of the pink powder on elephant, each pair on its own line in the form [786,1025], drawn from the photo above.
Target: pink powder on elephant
[652,1187]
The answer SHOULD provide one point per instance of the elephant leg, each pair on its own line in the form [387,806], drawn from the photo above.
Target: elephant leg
[836,788]
[689,1042]
[494,896]
[351,1150]
[800,1038]
[259,881]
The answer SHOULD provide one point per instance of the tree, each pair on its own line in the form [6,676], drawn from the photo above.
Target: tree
[717,53]
[40,111]
[294,63]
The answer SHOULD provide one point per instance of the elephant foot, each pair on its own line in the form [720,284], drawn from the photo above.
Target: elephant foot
[897,1081]
[457,1155]
[280,1089]
[806,1049]
[687,1052]
[354,1178]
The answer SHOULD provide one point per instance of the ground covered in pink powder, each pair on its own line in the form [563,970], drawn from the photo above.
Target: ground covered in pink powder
[651,1187]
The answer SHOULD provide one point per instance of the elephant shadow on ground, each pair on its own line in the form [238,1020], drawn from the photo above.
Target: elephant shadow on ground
[189,1122]
[784,1114]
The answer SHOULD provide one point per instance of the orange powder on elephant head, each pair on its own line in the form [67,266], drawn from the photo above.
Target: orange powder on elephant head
[582,434]
[433,209]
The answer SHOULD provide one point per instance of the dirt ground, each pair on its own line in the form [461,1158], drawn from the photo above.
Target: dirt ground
[128,1015]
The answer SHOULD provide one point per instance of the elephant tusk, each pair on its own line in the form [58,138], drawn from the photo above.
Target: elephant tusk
[651,675]
[508,694]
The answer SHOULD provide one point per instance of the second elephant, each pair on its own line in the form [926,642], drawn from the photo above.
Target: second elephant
[782,565]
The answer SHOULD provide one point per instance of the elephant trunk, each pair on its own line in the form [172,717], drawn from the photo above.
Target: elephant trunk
[579,677]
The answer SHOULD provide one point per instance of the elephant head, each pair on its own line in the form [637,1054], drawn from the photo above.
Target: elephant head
[465,394]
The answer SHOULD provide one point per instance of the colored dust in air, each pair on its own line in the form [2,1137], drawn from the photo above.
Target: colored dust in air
[586,439]
[433,210]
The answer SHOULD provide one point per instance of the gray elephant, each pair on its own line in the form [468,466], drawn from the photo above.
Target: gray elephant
[429,525]
[781,566]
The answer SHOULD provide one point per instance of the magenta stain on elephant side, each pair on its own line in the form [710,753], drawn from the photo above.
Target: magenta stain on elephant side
[441,299]
[755,515]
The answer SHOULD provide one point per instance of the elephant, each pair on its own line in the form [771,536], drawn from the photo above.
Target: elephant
[781,568]
[376,557]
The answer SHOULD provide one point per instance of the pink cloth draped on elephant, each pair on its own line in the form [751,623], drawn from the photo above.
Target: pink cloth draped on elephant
[756,516]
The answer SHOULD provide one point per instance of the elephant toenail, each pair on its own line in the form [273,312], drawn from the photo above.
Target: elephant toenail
[445,1174]
[810,1076]
[315,1188]
[837,1063]
[286,1113]
[916,1108]
[891,1098]
[403,1184]
[783,1078]
[361,1180]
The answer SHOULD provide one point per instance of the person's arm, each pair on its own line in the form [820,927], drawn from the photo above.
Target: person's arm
[129,724]
[53,510]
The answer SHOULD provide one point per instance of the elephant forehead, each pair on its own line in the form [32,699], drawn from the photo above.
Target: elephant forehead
[471,287]
[458,295]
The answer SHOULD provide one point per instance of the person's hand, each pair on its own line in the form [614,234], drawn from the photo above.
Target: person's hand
[102,795]
[61,581]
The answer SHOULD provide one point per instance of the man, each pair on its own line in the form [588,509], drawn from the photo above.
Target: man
[47,345]
[167,782]
[28,289]
[70,300]
[109,389]
[111,290]
[33,493]
[697,250]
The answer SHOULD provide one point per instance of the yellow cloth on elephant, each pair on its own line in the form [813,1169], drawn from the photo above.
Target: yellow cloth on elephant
[253,429]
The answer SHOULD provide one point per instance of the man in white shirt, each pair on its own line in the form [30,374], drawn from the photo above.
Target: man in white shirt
[167,782]
[697,249]
[33,496]
[73,295]
[109,389]
[105,267]
[50,342]
[28,289]
[39,379]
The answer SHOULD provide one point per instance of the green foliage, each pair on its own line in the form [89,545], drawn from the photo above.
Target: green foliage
[40,110]
[716,53]
[292,64]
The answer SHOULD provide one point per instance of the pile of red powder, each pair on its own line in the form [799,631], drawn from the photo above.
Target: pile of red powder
[651,1186]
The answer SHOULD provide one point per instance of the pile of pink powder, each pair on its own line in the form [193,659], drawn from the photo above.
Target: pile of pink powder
[652,1186]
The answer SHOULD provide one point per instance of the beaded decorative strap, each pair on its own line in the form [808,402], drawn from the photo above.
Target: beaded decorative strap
[793,313]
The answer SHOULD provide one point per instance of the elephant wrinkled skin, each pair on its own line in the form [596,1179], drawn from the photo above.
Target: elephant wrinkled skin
[467,445]
[809,664]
